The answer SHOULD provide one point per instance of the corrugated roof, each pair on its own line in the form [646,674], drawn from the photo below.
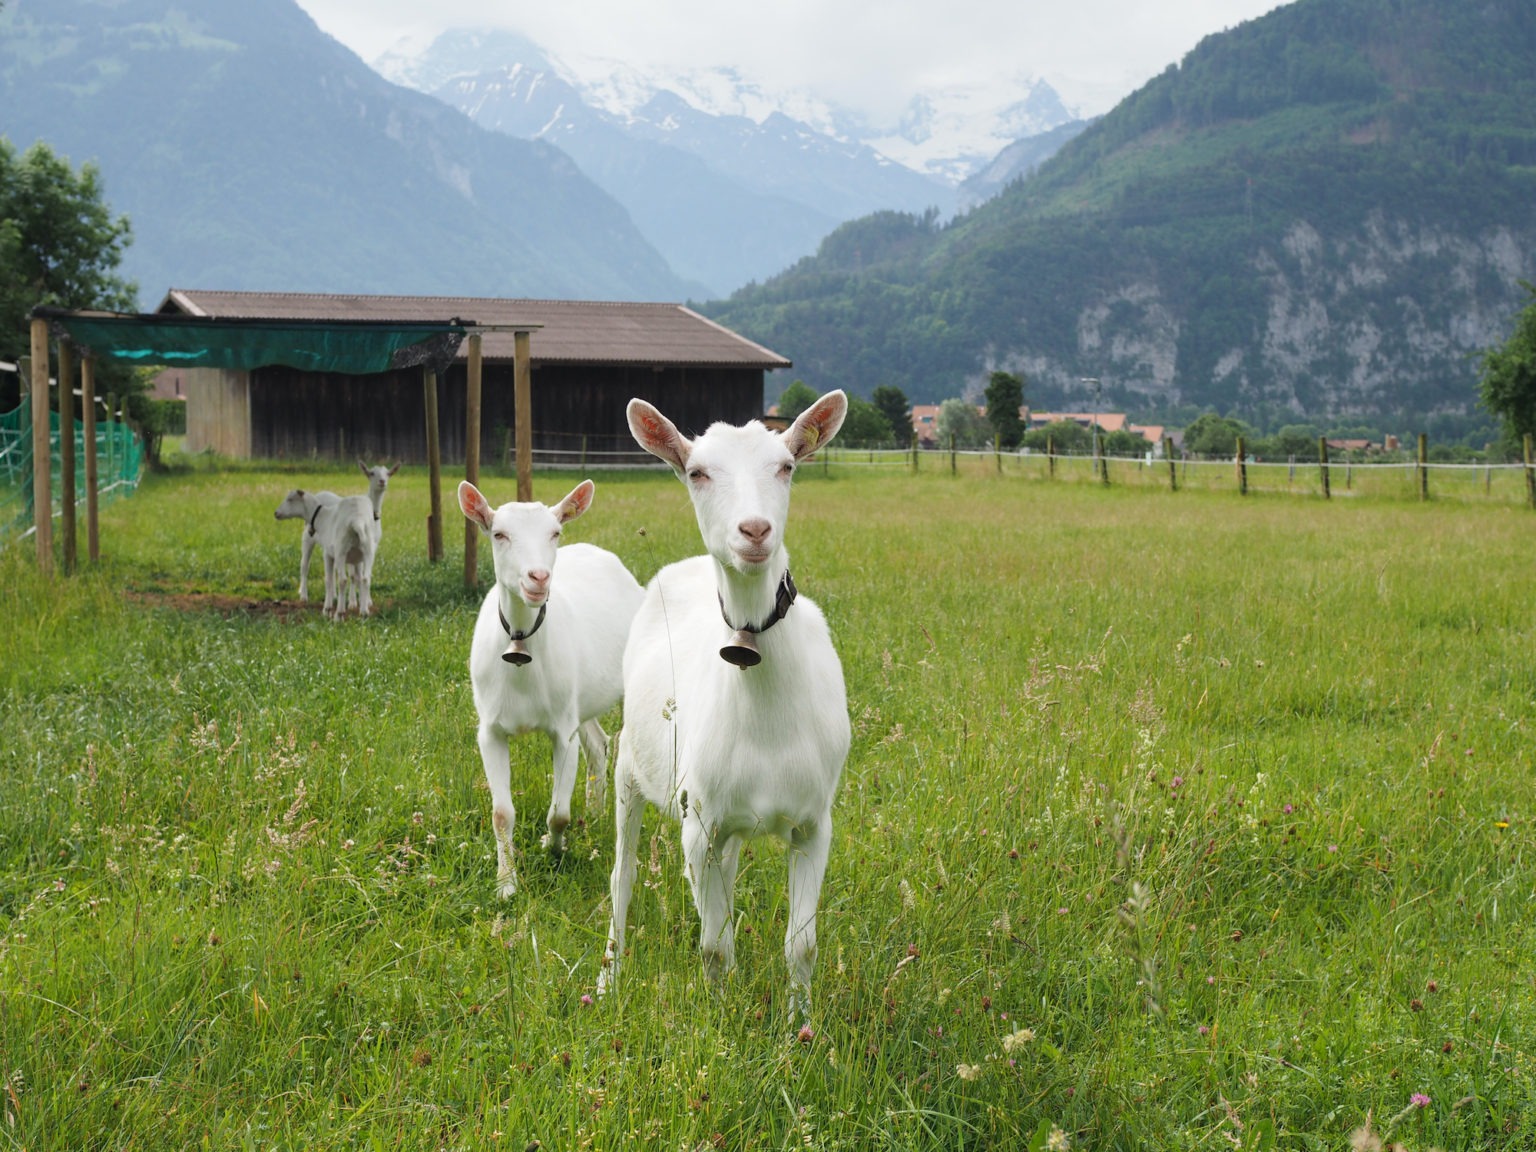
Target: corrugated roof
[567,332]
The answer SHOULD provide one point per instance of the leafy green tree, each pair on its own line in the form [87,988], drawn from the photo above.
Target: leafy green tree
[1509,375]
[959,420]
[796,399]
[1005,396]
[865,426]
[893,402]
[1292,440]
[1064,436]
[59,245]
[1124,442]
[1213,435]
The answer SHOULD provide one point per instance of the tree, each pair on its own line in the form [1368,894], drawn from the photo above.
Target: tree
[1509,375]
[1064,436]
[1124,442]
[59,245]
[865,426]
[796,399]
[1213,435]
[1005,396]
[893,402]
[959,421]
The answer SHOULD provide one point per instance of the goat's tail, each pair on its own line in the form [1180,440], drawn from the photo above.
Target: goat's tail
[356,538]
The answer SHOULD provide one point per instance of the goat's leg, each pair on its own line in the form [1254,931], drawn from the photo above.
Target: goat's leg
[628,807]
[308,551]
[498,774]
[712,875]
[807,865]
[365,592]
[594,742]
[331,576]
[563,785]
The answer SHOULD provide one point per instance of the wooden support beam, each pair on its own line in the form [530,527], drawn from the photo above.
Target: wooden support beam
[42,469]
[92,469]
[522,411]
[434,469]
[67,455]
[472,455]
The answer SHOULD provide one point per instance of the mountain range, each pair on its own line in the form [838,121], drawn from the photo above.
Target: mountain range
[730,182]
[1322,213]
[251,151]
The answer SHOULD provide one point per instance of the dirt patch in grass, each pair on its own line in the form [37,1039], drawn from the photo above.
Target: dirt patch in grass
[226,605]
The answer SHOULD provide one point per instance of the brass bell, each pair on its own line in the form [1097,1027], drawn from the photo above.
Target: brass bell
[517,653]
[742,650]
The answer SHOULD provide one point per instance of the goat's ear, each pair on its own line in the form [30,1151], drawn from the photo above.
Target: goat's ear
[577,502]
[814,427]
[363,466]
[658,435]
[474,505]
[395,469]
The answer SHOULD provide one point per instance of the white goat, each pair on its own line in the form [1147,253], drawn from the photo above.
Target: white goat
[547,654]
[732,751]
[303,505]
[378,484]
[346,535]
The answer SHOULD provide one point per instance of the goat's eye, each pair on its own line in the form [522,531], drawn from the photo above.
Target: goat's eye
[499,537]
[555,535]
[787,468]
[697,475]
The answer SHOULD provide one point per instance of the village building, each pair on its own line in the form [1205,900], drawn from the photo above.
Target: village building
[588,359]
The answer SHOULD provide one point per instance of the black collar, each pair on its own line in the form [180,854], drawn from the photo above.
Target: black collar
[507,628]
[781,603]
[315,515]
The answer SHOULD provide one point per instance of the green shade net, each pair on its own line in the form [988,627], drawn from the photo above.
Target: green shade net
[119,464]
[354,347]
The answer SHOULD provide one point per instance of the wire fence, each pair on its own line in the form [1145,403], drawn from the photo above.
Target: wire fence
[119,456]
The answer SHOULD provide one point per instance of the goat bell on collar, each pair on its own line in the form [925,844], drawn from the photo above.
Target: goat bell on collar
[517,652]
[742,650]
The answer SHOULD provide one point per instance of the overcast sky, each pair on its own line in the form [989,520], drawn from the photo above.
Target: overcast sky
[869,54]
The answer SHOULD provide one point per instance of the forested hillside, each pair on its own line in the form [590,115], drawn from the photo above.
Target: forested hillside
[1322,212]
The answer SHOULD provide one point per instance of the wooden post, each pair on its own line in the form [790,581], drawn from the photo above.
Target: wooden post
[42,462]
[1173,466]
[914,452]
[1242,468]
[583,451]
[92,471]
[472,381]
[111,438]
[997,452]
[434,469]
[522,409]
[67,455]
[1098,441]
[1423,466]
[1322,464]
[1050,456]
[952,454]
[1530,476]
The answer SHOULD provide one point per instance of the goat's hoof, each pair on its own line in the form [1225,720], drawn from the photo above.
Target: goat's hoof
[507,888]
[552,843]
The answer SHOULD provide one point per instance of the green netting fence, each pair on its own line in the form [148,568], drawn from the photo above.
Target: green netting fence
[119,464]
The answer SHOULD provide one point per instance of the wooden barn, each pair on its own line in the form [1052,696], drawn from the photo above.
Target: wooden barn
[587,359]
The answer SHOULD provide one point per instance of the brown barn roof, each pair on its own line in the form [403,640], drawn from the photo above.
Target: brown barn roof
[566,331]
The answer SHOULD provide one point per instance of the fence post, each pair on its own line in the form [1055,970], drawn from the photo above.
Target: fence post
[474,373]
[914,453]
[92,464]
[42,450]
[952,469]
[997,452]
[434,468]
[1173,467]
[1322,465]
[1050,456]
[1103,460]
[1242,468]
[67,493]
[1530,476]
[1423,466]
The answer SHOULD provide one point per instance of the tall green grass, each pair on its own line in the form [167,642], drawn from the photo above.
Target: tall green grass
[1170,821]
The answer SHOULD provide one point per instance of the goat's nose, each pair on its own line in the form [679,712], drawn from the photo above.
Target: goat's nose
[538,576]
[756,530]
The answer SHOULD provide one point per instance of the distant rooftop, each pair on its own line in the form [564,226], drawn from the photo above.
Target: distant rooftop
[565,331]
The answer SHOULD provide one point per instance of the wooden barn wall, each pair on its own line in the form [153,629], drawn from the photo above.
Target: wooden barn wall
[297,414]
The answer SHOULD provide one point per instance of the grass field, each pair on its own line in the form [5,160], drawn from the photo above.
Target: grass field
[1171,821]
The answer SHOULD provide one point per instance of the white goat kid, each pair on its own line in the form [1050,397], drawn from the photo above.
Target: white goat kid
[732,751]
[547,654]
[345,533]
[302,505]
[378,484]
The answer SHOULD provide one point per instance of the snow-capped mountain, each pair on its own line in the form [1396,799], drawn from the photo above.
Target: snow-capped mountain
[731,181]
